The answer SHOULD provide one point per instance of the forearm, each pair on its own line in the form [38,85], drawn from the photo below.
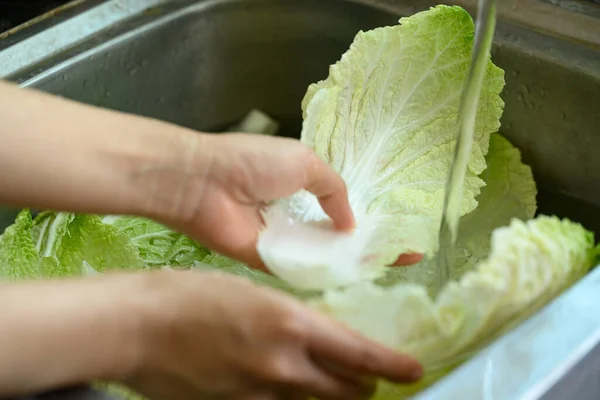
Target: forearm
[60,333]
[61,155]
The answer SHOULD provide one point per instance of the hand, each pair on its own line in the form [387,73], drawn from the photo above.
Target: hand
[243,172]
[209,186]
[216,336]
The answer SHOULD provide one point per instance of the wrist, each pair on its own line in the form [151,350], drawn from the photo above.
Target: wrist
[89,328]
[167,177]
[124,322]
[153,305]
[90,160]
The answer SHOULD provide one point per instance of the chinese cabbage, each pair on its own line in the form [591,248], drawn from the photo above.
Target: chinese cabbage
[157,245]
[385,119]
[63,244]
[18,254]
[529,264]
[510,192]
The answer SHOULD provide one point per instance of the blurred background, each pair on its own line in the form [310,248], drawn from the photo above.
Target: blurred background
[15,12]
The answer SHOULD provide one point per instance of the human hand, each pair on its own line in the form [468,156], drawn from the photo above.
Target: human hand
[217,336]
[211,187]
[244,172]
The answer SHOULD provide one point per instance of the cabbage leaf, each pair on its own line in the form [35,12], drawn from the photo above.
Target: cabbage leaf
[385,119]
[156,244]
[18,254]
[510,192]
[63,244]
[529,264]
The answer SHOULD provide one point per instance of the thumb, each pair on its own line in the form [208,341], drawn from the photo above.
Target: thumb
[329,187]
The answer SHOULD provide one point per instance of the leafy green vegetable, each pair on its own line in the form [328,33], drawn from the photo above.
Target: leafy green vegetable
[385,118]
[158,245]
[118,390]
[63,244]
[100,245]
[510,192]
[18,254]
[48,230]
[530,263]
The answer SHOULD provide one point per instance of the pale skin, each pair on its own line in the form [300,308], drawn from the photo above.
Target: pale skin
[171,335]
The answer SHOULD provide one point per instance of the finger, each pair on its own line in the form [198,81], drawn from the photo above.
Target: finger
[325,385]
[346,374]
[336,344]
[407,259]
[237,237]
[249,256]
[330,189]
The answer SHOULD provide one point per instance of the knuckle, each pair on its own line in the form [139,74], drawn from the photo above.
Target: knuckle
[241,182]
[291,327]
[310,158]
[238,174]
[283,321]
[370,360]
[279,368]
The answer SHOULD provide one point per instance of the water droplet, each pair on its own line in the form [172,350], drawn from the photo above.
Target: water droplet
[520,98]
[515,73]
[563,116]
[543,94]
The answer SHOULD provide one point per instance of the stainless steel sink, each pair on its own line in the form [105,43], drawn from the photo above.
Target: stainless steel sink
[205,64]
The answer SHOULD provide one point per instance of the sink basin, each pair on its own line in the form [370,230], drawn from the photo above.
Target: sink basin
[205,64]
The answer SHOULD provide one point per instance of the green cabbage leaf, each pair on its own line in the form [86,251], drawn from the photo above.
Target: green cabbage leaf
[386,120]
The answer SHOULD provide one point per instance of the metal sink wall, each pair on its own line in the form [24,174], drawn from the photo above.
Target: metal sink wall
[204,64]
